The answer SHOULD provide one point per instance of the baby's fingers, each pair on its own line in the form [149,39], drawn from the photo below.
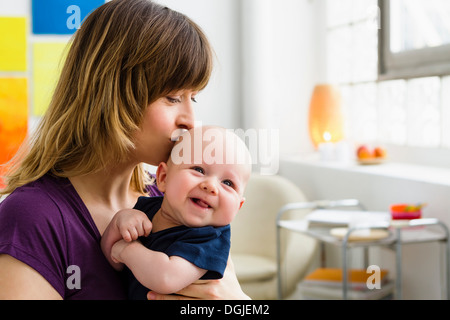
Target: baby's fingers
[142,230]
[147,227]
[129,234]
[135,233]
[126,235]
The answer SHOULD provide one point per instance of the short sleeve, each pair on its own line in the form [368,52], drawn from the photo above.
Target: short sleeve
[208,248]
[32,231]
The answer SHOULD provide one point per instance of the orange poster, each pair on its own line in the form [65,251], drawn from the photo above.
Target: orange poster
[13,118]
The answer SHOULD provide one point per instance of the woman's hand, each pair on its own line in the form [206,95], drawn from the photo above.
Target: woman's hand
[227,288]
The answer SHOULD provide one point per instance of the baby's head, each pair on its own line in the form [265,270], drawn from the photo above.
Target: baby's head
[205,177]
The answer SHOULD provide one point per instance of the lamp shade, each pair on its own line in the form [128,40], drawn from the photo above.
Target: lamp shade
[326,121]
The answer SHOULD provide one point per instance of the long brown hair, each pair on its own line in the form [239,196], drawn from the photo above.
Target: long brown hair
[126,55]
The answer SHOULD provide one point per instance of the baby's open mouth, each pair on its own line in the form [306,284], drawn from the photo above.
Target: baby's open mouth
[201,203]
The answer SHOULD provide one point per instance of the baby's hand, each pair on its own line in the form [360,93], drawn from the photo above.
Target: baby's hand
[132,224]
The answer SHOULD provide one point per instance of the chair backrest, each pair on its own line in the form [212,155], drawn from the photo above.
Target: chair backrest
[253,230]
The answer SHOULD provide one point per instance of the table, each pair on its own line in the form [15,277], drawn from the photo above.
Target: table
[395,240]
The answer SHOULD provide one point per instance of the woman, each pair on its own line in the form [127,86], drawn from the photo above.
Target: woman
[129,82]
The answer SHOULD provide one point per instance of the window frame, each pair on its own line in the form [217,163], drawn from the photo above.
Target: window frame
[424,62]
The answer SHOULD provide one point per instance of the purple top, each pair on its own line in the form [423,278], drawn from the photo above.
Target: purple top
[46,225]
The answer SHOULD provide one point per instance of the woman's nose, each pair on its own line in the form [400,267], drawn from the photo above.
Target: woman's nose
[210,187]
[185,119]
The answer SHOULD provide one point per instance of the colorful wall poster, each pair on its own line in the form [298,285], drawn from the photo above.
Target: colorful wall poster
[13,118]
[48,59]
[61,16]
[13,44]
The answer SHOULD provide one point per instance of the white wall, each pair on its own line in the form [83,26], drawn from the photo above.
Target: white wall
[270,56]
[282,54]
[299,65]
[219,103]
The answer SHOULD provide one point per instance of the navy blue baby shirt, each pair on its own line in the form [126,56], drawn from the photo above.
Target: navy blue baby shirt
[206,247]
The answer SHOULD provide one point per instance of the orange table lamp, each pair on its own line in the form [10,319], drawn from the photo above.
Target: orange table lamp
[326,121]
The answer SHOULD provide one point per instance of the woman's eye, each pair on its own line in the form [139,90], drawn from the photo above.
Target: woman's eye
[199,169]
[228,183]
[193,100]
[173,100]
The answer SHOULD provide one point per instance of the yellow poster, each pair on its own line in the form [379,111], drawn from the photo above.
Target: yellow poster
[48,59]
[13,117]
[13,44]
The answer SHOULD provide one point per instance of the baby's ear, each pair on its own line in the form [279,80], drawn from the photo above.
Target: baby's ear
[242,202]
[161,175]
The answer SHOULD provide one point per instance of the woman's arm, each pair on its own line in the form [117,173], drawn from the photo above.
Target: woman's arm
[227,288]
[156,270]
[18,281]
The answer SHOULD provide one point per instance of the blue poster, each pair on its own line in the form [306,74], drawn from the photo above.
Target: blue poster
[61,16]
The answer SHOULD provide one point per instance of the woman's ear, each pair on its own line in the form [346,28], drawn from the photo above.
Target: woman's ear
[161,175]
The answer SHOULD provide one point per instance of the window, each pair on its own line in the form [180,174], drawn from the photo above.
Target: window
[414,38]
[409,111]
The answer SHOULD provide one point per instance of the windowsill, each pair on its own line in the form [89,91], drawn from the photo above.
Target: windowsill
[406,171]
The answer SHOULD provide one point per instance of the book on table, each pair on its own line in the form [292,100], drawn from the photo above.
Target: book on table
[342,218]
[326,283]
[357,278]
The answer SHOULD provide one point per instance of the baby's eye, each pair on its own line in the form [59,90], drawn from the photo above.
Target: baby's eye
[228,183]
[198,169]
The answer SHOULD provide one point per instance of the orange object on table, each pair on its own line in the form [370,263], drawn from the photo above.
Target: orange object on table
[406,211]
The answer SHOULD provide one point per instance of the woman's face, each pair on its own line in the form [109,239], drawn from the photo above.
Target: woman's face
[162,119]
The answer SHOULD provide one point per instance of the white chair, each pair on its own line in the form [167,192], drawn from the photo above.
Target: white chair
[253,239]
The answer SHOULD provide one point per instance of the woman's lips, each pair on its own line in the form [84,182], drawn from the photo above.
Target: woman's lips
[177,134]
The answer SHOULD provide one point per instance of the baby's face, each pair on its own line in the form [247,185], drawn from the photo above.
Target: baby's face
[204,191]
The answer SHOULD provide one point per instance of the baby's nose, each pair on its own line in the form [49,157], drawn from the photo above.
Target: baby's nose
[209,186]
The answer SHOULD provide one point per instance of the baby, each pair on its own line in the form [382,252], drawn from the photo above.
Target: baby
[188,237]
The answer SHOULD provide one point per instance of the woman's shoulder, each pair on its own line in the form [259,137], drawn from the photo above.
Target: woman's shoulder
[32,230]
[24,208]
[36,200]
